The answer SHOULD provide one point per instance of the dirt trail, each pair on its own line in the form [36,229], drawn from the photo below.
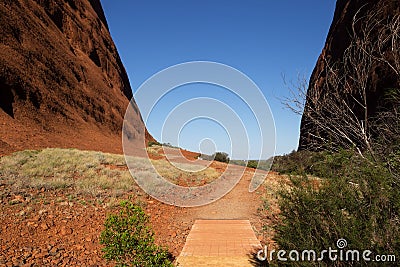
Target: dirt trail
[239,203]
[224,244]
[54,227]
[173,224]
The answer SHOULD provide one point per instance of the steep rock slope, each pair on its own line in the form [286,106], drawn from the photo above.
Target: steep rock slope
[380,75]
[62,82]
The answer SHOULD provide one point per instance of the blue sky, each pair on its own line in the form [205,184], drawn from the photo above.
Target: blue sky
[263,39]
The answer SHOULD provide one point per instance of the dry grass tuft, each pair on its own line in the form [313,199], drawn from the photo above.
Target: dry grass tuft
[87,172]
[185,174]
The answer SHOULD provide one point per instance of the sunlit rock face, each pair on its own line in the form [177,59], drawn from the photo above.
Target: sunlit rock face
[61,78]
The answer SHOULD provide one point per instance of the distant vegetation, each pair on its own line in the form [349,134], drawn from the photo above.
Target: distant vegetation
[218,156]
[155,143]
[255,164]
[221,156]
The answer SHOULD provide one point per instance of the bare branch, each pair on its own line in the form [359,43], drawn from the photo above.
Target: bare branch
[340,112]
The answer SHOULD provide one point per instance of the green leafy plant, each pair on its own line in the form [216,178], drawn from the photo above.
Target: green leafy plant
[357,199]
[221,156]
[218,156]
[129,241]
[252,164]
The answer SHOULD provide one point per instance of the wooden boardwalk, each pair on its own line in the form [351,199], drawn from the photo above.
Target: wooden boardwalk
[220,243]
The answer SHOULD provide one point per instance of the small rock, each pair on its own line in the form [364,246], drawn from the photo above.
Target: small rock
[18,199]
[40,255]
[44,226]
[65,230]
[55,262]
[31,224]
[41,212]
[16,262]
[53,251]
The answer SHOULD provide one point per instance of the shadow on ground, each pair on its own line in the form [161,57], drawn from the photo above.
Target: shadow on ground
[254,261]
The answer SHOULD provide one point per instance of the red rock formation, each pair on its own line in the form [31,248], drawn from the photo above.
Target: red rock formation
[381,76]
[61,78]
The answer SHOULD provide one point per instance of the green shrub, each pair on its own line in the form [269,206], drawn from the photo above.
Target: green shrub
[153,143]
[294,162]
[392,162]
[221,156]
[359,200]
[129,241]
[218,156]
[252,164]
[322,164]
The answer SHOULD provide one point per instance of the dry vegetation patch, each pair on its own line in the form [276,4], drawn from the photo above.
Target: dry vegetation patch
[185,174]
[86,172]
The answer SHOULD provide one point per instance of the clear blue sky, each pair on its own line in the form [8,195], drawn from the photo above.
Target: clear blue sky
[263,39]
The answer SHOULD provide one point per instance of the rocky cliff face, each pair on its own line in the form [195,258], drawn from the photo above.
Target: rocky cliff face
[380,75]
[61,78]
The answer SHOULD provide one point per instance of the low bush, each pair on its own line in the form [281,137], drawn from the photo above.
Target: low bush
[252,164]
[129,241]
[153,143]
[258,164]
[358,200]
[218,156]
[321,164]
[221,156]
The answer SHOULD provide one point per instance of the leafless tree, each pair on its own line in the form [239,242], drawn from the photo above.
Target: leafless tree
[338,105]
